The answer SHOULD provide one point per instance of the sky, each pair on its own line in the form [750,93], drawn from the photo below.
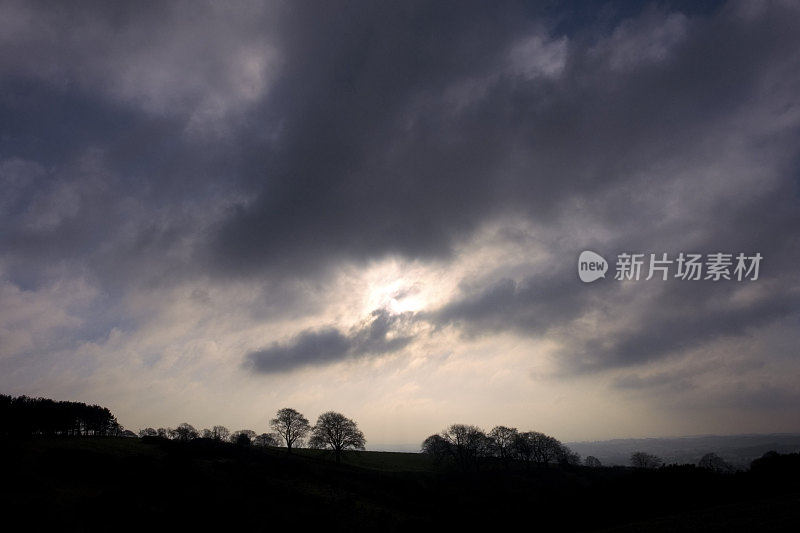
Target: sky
[210,211]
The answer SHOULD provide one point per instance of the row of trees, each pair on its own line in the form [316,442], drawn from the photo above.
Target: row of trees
[710,461]
[332,431]
[186,432]
[466,446]
[462,444]
[22,416]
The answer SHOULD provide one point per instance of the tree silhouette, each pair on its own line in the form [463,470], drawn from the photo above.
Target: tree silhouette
[533,446]
[243,437]
[523,447]
[24,416]
[184,432]
[712,461]
[266,439]
[220,433]
[290,425]
[592,461]
[566,456]
[645,460]
[545,447]
[148,432]
[467,444]
[437,447]
[335,431]
[501,442]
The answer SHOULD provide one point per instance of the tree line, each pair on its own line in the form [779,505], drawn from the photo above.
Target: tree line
[186,432]
[290,428]
[467,446]
[709,461]
[464,446]
[22,416]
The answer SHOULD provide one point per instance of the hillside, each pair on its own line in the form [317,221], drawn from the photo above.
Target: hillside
[107,483]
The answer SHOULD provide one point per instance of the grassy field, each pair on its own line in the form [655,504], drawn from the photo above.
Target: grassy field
[385,461]
[129,447]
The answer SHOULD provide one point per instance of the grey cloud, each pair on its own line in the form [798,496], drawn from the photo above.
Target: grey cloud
[751,395]
[681,325]
[195,60]
[358,148]
[381,333]
[660,319]
[126,111]
[529,307]
[307,348]
[373,159]
[401,128]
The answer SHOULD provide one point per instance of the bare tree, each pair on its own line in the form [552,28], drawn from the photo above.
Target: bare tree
[523,447]
[220,433]
[335,431]
[645,460]
[545,448]
[501,442]
[536,447]
[184,432]
[467,444]
[290,425]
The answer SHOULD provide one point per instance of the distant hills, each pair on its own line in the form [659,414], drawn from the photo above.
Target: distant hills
[738,450]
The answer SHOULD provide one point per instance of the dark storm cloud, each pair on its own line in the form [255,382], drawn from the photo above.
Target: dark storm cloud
[112,120]
[387,128]
[382,333]
[404,129]
[362,167]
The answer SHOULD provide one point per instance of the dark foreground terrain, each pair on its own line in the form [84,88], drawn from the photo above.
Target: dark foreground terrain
[106,484]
